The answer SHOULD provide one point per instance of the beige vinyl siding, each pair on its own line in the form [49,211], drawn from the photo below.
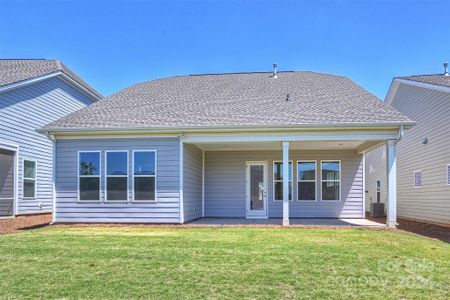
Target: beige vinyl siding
[431,110]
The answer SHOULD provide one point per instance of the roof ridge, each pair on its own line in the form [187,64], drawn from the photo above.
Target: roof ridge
[218,74]
[58,64]
[237,73]
[420,75]
[25,59]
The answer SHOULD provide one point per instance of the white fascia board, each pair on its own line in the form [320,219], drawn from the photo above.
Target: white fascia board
[28,81]
[79,86]
[208,129]
[396,82]
[245,136]
[106,135]
[63,75]
[392,91]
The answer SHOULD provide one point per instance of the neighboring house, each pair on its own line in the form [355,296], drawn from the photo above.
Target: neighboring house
[181,148]
[423,167]
[33,93]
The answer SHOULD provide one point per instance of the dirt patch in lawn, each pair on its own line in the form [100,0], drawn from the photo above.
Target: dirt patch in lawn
[426,229]
[11,225]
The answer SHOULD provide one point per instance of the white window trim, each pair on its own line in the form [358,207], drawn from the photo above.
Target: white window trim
[119,176]
[414,179]
[448,174]
[155,176]
[340,180]
[99,176]
[274,181]
[27,178]
[315,180]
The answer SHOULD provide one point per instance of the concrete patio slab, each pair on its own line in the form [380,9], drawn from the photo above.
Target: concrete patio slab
[293,222]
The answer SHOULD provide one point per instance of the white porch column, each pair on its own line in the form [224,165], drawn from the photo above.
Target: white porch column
[181,179]
[285,183]
[391,170]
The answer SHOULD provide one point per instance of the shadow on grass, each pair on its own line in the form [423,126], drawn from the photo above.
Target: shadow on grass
[36,226]
[434,231]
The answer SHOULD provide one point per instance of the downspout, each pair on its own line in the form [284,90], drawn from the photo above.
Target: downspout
[401,133]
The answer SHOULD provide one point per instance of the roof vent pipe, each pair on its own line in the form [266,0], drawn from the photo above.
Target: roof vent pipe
[446,69]
[275,66]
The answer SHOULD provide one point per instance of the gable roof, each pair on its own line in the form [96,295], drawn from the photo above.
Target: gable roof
[14,71]
[436,79]
[438,82]
[294,99]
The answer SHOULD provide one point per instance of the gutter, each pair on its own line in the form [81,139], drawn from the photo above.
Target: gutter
[170,129]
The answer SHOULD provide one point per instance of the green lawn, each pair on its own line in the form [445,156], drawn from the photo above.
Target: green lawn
[256,263]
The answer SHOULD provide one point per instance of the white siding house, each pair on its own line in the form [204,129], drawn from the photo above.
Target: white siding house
[33,93]
[423,166]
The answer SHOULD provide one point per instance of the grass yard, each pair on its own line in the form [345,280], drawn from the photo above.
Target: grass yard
[216,263]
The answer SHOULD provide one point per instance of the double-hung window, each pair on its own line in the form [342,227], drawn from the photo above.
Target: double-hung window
[89,175]
[331,180]
[306,180]
[144,175]
[116,175]
[29,178]
[278,181]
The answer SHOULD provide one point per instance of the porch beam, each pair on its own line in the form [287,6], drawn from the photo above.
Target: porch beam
[348,135]
[391,169]
[368,146]
[285,183]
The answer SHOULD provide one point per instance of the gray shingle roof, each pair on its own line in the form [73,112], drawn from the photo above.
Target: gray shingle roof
[230,100]
[16,70]
[437,79]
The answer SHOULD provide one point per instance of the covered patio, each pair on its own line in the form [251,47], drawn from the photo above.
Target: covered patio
[241,180]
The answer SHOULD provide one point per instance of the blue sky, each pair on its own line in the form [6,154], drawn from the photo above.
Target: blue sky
[113,44]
